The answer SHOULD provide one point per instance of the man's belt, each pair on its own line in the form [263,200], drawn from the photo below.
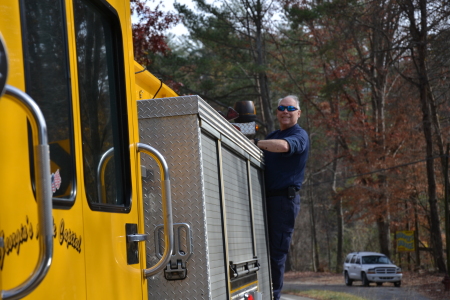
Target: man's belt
[287,192]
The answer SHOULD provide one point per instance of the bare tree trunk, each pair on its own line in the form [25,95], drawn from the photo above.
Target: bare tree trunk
[418,29]
[314,247]
[435,230]
[265,100]
[340,234]
[262,80]
[383,235]
[381,18]
[444,166]
[338,211]
[416,235]
[428,133]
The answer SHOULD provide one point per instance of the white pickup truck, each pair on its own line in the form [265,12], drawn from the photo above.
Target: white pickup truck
[371,267]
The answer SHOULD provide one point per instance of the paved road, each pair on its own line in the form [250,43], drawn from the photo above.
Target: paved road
[385,292]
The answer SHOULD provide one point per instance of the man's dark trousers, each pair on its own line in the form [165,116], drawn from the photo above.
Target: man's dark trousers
[281,214]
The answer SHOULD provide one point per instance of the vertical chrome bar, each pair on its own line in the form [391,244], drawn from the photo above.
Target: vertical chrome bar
[167,208]
[252,209]
[101,187]
[224,215]
[43,194]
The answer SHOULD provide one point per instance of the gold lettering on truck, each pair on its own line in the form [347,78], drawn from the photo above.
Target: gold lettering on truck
[69,236]
[26,232]
[14,240]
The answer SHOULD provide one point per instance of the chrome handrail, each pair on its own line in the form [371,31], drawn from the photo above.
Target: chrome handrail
[167,209]
[101,187]
[43,194]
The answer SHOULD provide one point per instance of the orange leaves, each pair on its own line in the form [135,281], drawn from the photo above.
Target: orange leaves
[148,30]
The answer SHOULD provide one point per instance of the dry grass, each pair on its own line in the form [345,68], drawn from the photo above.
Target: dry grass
[428,284]
[327,295]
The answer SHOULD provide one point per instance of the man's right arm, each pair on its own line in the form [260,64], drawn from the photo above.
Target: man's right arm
[279,146]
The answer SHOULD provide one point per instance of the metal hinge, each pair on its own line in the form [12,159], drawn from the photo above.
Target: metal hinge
[243,268]
[183,248]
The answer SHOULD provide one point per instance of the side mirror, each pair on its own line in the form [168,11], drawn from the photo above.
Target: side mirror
[3,66]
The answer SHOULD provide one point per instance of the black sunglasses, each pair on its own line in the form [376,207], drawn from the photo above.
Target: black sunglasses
[289,108]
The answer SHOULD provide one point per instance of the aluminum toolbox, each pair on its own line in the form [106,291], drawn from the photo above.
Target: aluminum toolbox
[216,175]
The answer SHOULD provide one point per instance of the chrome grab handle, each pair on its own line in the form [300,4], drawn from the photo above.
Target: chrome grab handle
[167,208]
[101,187]
[43,194]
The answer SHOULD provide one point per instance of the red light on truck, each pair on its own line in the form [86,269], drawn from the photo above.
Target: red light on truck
[248,297]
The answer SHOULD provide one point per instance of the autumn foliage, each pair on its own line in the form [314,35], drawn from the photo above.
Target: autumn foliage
[149,28]
[372,77]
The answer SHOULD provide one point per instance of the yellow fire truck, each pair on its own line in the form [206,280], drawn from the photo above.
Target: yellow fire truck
[112,186]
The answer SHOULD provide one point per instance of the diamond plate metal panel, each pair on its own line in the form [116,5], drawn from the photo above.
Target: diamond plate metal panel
[173,127]
[178,140]
[167,107]
[185,105]
[246,128]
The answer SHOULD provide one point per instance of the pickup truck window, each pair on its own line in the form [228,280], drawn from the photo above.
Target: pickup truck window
[375,260]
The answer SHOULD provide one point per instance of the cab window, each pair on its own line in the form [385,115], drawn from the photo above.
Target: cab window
[47,81]
[103,110]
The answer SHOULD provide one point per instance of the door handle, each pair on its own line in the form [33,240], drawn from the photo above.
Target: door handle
[137,237]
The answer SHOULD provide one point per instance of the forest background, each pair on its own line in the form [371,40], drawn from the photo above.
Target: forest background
[372,78]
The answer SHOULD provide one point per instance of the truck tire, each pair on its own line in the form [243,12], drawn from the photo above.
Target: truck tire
[365,281]
[348,281]
[397,284]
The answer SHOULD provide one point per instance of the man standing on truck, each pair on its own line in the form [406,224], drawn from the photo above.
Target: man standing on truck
[285,154]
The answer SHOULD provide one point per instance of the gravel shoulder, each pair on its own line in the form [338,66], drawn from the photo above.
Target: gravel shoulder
[415,286]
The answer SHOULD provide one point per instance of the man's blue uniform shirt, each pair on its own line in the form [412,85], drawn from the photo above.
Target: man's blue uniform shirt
[287,169]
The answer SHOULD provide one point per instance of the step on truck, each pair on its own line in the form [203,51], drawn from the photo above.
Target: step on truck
[111,185]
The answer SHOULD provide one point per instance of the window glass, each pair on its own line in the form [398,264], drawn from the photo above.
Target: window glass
[48,83]
[102,105]
[375,259]
[353,259]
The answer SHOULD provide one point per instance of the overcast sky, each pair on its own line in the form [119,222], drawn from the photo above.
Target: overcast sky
[168,6]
